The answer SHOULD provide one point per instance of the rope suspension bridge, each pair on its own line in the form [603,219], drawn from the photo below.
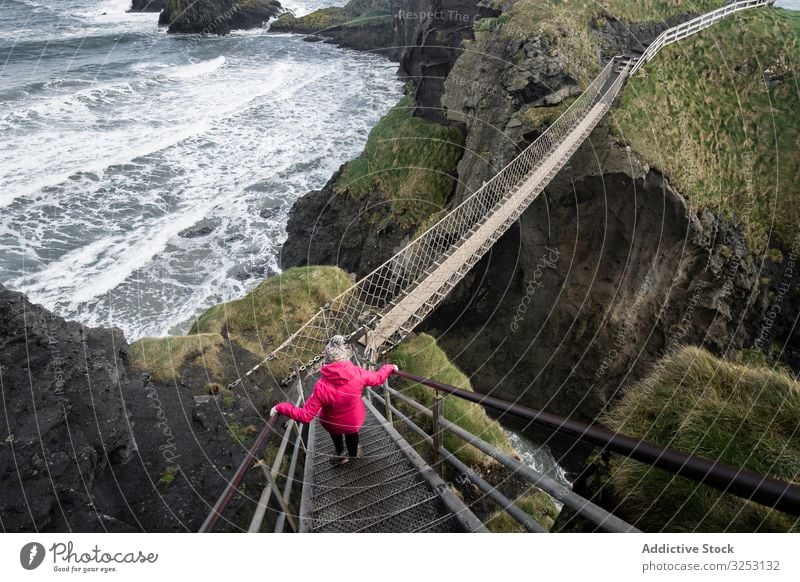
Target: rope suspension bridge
[392,487]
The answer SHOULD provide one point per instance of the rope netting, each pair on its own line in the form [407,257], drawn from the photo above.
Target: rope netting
[375,294]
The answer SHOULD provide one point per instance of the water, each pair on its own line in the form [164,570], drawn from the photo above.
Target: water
[115,138]
[790,4]
[539,458]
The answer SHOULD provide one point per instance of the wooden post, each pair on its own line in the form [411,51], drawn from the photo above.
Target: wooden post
[437,431]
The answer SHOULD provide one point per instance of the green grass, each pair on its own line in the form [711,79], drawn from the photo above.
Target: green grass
[353,15]
[701,113]
[261,320]
[258,322]
[567,24]
[407,160]
[324,18]
[745,416]
[422,356]
[164,357]
[241,434]
[655,10]
[168,476]
[535,503]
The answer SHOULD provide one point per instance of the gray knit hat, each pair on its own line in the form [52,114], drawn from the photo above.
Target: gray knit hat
[336,350]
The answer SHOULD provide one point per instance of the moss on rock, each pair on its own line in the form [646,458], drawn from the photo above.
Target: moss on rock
[261,320]
[165,357]
[407,160]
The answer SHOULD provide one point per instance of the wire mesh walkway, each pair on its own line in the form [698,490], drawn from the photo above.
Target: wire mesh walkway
[389,488]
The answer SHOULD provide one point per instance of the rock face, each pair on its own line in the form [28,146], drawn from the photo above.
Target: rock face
[326,228]
[364,25]
[217,16]
[430,36]
[148,5]
[89,446]
[602,274]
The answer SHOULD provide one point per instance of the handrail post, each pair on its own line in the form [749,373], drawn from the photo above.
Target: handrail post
[436,431]
[387,401]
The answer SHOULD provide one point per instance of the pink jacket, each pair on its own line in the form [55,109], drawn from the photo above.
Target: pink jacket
[338,396]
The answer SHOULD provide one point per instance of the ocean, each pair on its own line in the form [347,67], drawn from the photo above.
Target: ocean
[145,176]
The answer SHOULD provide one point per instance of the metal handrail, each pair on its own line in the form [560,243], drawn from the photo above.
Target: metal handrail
[726,478]
[594,513]
[233,485]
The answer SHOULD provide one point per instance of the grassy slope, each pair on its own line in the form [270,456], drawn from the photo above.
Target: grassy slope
[535,503]
[266,316]
[258,322]
[702,113]
[411,161]
[741,415]
[567,24]
[163,357]
[423,357]
[354,14]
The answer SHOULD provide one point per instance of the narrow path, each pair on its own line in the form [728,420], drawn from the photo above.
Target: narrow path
[390,488]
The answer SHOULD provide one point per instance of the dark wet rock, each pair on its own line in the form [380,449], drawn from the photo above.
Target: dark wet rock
[364,25]
[247,272]
[90,445]
[269,213]
[148,5]
[326,228]
[202,228]
[430,47]
[217,16]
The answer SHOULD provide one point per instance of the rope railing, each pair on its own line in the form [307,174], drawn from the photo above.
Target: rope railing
[396,277]
[737,481]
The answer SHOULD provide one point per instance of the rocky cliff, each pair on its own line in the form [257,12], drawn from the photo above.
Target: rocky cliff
[217,16]
[148,5]
[364,25]
[91,445]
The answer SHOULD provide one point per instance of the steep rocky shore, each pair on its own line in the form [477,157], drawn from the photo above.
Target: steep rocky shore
[148,5]
[92,445]
[609,270]
[217,16]
[364,25]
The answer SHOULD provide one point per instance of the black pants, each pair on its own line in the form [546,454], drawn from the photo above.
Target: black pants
[351,440]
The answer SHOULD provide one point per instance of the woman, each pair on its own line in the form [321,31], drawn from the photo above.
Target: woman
[337,398]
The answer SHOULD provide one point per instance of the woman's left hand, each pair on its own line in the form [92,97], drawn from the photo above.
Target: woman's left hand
[273,412]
